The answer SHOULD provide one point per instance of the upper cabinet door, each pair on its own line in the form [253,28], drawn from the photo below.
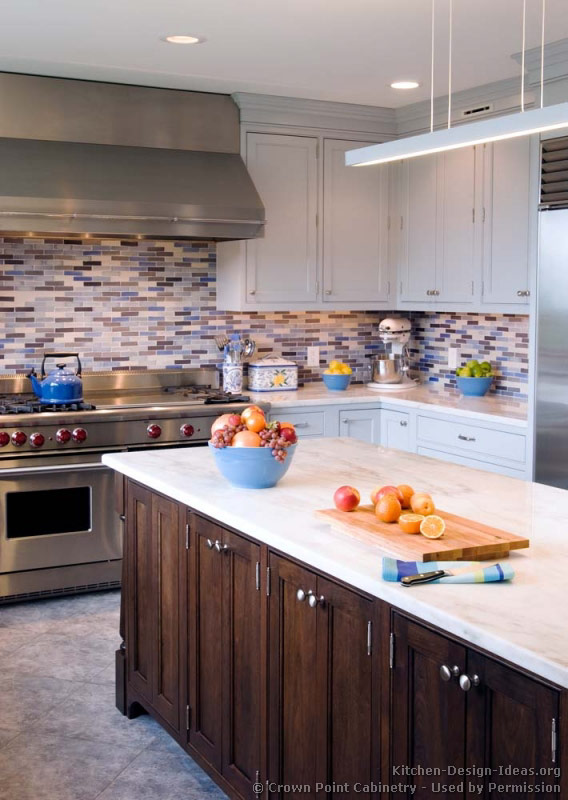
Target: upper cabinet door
[355,234]
[417,226]
[456,251]
[506,168]
[282,266]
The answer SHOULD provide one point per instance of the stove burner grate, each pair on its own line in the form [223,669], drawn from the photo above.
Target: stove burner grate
[21,405]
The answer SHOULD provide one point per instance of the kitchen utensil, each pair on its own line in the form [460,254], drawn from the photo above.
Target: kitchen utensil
[249,346]
[463,540]
[62,385]
[251,467]
[272,374]
[388,368]
[413,573]
[221,342]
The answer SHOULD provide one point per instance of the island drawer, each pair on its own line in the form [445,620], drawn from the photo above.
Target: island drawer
[475,440]
[307,423]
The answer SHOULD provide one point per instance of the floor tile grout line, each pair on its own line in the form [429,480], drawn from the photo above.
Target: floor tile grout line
[117,776]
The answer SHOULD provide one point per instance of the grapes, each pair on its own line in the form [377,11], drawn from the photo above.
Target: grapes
[271,437]
[224,436]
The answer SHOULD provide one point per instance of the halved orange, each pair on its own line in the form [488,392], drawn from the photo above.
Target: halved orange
[432,527]
[410,523]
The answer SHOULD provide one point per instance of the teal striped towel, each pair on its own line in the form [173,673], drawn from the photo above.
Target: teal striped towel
[394,570]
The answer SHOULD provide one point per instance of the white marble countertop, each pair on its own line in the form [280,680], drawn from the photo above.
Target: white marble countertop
[426,397]
[522,621]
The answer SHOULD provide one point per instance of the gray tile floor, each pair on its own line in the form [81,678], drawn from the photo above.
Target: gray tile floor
[61,737]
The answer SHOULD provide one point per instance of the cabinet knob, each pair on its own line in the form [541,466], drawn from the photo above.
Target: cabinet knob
[314,601]
[210,544]
[447,673]
[466,682]
[523,293]
[328,291]
[252,291]
[221,548]
[403,422]
[300,595]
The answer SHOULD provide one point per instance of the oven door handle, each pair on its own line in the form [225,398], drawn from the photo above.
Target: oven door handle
[83,467]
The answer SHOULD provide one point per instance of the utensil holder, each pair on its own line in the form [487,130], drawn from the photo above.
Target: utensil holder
[232,378]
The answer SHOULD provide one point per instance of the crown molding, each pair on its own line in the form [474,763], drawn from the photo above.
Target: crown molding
[555,61]
[317,114]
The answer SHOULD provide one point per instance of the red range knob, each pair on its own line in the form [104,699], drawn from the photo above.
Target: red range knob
[4,439]
[187,430]
[63,435]
[79,435]
[154,431]
[19,438]
[37,440]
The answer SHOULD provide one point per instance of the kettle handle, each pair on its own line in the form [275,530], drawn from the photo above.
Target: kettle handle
[60,355]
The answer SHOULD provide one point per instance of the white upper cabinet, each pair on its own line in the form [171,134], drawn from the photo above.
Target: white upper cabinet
[282,266]
[417,226]
[507,228]
[355,228]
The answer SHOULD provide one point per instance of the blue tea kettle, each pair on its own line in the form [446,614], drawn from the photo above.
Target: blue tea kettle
[62,385]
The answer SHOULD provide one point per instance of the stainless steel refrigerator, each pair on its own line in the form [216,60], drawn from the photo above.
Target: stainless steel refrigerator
[551,409]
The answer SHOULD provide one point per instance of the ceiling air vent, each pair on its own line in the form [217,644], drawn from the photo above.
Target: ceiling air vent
[554,172]
[476,111]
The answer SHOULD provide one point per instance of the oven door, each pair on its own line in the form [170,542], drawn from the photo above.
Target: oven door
[58,512]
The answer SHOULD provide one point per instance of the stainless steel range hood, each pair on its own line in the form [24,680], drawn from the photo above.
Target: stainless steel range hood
[105,159]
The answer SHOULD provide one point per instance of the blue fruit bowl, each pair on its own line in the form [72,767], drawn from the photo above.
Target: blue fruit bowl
[474,387]
[337,383]
[251,467]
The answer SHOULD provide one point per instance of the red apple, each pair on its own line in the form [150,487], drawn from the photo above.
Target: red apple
[380,491]
[289,435]
[220,422]
[234,420]
[346,498]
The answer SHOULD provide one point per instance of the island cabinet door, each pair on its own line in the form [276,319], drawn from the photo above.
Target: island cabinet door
[348,682]
[241,667]
[205,640]
[140,616]
[512,726]
[428,708]
[294,718]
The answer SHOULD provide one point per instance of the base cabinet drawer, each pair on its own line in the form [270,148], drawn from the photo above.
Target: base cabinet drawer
[307,423]
[487,466]
[478,441]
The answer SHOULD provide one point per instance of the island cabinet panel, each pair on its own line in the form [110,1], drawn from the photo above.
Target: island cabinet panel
[154,599]
[323,683]
[224,652]
[453,707]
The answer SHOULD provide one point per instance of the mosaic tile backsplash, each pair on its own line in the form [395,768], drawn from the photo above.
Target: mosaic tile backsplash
[152,304]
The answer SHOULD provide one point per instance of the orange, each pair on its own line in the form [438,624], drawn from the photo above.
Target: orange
[432,527]
[251,410]
[287,425]
[410,523]
[246,439]
[422,503]
[220,422]
[255,421]
[406,492]
[388,508]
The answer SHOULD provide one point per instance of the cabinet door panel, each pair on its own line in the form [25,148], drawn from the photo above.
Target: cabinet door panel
[510,718]
[349,749]
[506,184]
[140,614]
[427,713]
[241,662]
[359,424]
[206,664]
[281,267]
[168,566]
[419,194]
[455,263]
[395,430]
[293,719]
[355,228]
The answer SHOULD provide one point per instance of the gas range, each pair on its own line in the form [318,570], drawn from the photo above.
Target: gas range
[120,410]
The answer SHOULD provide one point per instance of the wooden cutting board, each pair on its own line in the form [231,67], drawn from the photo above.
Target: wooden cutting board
[463,539]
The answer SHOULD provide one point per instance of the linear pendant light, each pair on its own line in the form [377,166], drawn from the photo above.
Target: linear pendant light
[510,126]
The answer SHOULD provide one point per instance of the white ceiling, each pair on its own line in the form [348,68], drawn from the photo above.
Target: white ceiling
[346,51]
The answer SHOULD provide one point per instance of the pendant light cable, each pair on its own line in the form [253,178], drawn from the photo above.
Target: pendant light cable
[450,65]
[523,56]
[542,55]
[432,69]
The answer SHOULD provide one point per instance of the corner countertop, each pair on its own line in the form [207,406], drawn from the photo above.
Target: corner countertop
[425,397]
[522,621]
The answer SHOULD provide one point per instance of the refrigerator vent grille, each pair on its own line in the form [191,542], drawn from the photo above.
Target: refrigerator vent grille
[554,172]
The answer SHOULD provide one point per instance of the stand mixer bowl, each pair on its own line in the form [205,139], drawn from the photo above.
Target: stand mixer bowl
[388,368]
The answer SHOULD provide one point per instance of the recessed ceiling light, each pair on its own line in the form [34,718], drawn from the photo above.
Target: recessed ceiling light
[185,39]
[405,85]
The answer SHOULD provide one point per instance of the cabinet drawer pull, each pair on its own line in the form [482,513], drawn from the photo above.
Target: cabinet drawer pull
[447,673]
[301,424]
[221,548]
[346,421]
[328,291]
[314,601]
[523,293]
[466,438]
[403,422]
[300,595]
[466,682]
[252,291]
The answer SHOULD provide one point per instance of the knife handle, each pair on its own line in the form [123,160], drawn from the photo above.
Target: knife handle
[422,577]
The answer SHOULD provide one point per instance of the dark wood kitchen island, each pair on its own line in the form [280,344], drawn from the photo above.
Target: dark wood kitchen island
[270,648]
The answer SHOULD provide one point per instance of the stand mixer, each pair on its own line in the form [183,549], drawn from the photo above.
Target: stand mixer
[389,369]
